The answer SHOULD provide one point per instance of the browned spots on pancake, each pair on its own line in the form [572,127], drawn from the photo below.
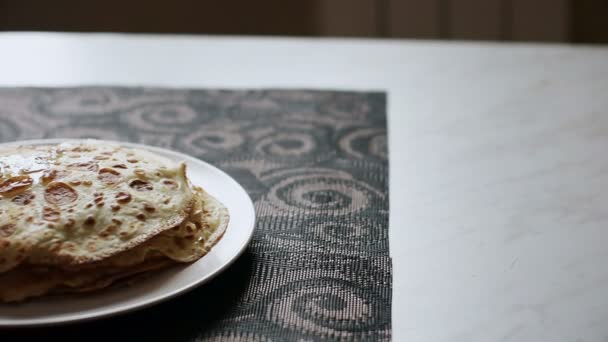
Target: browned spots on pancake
[140,173]
[166,200]
[70,223]
[50,214]
[91,246]
[87,183]
[23,198]
[115,207]
[89,221]
[109,176]
[117,221]
[59,193]
[189,229]
[85,166]
[48,176]
[98,197]
[88,205]
[75,182]
[120,166]
[7,230]
[149,208]
[171,184]
[5,243]
[132,160]
[101,158]
[101,204]
[51,175]
[141,217]
[109,230]
[123,197]
[141,185]
[15,185]
[82,149]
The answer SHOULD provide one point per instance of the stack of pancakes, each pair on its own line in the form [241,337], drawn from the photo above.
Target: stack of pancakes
[78,217]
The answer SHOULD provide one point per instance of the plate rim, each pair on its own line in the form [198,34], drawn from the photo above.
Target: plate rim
[75,317]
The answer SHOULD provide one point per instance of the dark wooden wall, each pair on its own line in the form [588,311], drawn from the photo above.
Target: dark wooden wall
[590,21]
[517,20]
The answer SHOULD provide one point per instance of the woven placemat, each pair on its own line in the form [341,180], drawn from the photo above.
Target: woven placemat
[315,164]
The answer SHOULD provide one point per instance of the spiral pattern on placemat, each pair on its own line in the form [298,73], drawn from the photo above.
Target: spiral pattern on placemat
[287,144]
[365,142]
[255,108]
[363,235]
[168,117]
[325,306]
[292,142]
[80,102]
[210,138]
[321,193]
[319,235]
[348,107]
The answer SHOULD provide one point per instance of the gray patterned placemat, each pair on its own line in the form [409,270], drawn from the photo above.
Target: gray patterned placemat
[315,164]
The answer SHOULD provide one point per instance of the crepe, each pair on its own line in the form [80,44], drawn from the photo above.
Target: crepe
[78,217]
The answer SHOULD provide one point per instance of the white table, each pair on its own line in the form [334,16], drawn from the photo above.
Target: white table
[498,161]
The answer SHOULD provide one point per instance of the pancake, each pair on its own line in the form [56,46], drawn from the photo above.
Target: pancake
[185,243]
[69,254]
[26,282]
[73,204]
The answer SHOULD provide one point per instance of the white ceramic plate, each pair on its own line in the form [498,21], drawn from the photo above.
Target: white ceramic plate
[162,286]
